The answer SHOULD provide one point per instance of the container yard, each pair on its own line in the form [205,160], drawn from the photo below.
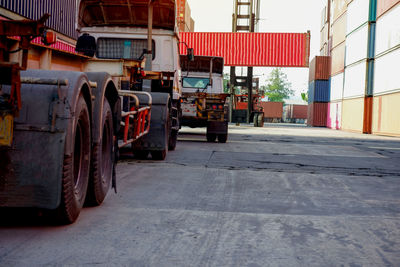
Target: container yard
[114,122]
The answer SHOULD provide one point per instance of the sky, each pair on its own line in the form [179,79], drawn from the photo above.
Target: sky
[296,16]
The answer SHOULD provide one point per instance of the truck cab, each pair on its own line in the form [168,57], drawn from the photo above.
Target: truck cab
[203,98]
[115,34]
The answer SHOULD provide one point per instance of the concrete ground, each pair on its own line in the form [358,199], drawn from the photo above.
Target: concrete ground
[282,195]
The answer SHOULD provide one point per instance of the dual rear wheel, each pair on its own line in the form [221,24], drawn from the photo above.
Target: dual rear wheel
[87,172]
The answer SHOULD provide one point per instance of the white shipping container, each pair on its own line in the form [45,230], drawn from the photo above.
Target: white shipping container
[357,45]
[335,115]
[354,80]
[337,87]
[386,73]
[388,30]
[324,36]
[357,14]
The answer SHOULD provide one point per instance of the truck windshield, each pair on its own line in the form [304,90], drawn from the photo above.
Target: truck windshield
[116,48]
[192,82]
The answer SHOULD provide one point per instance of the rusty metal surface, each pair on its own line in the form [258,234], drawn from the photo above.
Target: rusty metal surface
[126,13]
[251,49]
[320,68]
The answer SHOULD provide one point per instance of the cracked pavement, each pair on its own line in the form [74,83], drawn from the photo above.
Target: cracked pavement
[282,195]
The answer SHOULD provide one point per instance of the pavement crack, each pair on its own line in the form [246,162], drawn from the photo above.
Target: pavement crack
[208,161]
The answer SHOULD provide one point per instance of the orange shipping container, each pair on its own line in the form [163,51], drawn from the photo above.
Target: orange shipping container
[272,109]
[320,68]
[367,127]
[385,5]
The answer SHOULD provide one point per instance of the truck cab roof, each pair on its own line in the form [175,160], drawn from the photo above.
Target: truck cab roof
[202,64]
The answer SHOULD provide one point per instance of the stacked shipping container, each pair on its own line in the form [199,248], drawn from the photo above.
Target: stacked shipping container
[338,36]
[318,91]
[185,22]
[295,113]
[386,81]
[359,64]
[365,88]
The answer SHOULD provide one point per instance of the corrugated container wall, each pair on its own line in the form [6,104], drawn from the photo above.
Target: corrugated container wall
[338,54]
[251,49]
[319,91]
[337,87]
[355,80]
[272,110]
[320,68]
[357,45]
[317,114]
[62,13]
[359,12]
[386,76]
[334,118]
[299,111]
[339,30]
[324,36]
[385,5]
[385,118]
[292,112]
[388,30]
[339,7]
[353,114]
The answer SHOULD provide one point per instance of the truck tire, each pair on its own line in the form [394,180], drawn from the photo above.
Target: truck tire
[172,140]
[141,154]
[211,137]
[102,160]
[222,138]
[260,119]
[255,119]
[76,167]
[162,154]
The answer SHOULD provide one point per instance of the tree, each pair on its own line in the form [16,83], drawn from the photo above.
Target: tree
[226,83]
[304,96]
[278,87]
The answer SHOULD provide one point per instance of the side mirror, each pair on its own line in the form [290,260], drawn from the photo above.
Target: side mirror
[190,54]
[86,44]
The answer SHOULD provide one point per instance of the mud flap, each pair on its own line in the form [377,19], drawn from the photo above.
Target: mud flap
[157,138]
[217,127]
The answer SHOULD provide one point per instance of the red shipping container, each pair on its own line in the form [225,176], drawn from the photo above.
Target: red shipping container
[317,114]
[251,49]
[384,5]
[320,68]
[299,112]
[273,110]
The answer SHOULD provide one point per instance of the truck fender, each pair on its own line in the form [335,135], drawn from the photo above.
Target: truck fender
[35,162]
[105,89]
[157,138]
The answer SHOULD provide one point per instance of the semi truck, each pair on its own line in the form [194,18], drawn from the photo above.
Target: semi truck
[203,99]
[61,130]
